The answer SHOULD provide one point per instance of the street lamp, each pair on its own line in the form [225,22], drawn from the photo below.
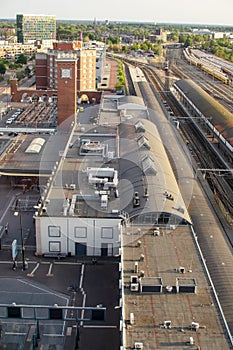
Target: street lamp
[18,213]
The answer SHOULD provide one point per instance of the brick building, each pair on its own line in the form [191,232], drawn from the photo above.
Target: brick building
[47,65]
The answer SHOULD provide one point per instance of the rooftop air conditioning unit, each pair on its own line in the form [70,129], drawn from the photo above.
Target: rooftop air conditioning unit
[138,345]
[133,279]
[195,326]
[167,324]
[134,287]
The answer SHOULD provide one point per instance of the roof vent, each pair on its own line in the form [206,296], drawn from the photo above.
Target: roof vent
[181,269]
[181,209]
[139,126]
[148,165]
[143,141]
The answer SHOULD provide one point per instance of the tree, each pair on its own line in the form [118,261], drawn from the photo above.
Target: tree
[14,65]
[22,59]
[2,68]
[27,71]
[188,41]
[20,75]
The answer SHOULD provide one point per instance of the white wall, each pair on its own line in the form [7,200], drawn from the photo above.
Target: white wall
[66,231]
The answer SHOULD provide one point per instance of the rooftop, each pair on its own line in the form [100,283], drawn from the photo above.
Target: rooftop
[107,170]
[17,160]
[219,116]
[171,301]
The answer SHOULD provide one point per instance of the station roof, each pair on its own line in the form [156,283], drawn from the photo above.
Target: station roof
[142,166]
[145,164]
[32,155]
[116,109]
[219,116]
[131,102]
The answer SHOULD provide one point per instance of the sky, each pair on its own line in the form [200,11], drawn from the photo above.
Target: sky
[156,11]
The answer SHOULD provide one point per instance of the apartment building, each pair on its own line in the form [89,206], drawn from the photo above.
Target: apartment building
[12,51]
[47,65]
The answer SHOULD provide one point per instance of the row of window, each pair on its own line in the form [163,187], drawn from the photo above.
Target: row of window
[90,65]
[158,218]
[106,248]
[80,232]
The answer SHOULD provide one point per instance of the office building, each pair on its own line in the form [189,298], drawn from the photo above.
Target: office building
[31,28]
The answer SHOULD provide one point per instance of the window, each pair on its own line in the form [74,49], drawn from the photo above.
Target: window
[55,247]
[80,232]
[107,232]
[54,231]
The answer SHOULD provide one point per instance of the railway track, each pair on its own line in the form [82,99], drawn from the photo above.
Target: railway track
[203,152]
[130,86]
[221,92]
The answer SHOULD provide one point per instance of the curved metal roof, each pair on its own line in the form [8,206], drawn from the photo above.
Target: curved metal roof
[145,168]
[219,116]
[130,102]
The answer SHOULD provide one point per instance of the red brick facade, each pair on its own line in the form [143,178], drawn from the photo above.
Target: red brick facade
[67,92]
[67,45]
[46,66]
[42,73]
[17,95]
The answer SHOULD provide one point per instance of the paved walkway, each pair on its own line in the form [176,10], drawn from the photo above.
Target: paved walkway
[113,74]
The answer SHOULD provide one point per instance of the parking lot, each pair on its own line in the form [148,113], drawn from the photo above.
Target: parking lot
[64,282]
[39,115]
[79,281]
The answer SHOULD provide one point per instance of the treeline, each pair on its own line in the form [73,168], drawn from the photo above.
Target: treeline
[138,34]
[115,35]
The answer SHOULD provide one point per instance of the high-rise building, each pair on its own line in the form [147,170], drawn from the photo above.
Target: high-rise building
[32,28]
